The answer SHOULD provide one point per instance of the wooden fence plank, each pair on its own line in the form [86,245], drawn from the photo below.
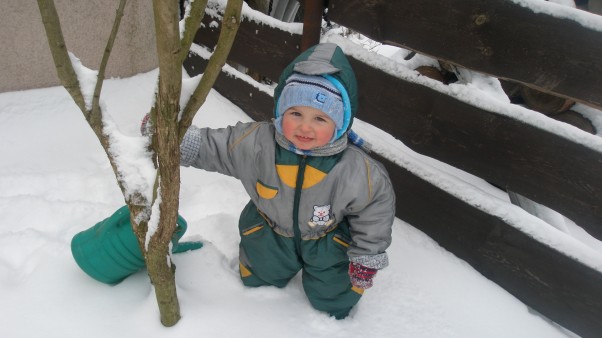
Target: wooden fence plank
[496,37]
[312,23]
[264,49]
[477,141]
[562,289]
[255,103]
[542,166]
[555,285]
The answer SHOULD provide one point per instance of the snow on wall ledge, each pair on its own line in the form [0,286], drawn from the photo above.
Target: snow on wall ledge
[458,184]
[563,11]
[214,6]
[463,93]
[461,185]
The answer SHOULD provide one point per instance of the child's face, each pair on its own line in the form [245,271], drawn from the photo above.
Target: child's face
[307,127]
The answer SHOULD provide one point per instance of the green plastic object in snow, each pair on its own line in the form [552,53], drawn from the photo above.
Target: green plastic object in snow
[109,252]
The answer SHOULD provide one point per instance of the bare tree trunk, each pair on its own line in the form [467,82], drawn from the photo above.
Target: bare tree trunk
[160,268]
[165,118]
[170,131]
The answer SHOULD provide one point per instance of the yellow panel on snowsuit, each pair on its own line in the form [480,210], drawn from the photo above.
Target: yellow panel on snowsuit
[288,175]
[265,191]
[244,272]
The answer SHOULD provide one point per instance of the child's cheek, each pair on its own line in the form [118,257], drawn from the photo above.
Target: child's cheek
[287,129]
[324,135]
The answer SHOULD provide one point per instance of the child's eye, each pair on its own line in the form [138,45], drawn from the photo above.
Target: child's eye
[320,119]
[295,113]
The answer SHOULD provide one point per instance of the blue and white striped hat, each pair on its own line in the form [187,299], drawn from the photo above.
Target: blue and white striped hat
[324,93]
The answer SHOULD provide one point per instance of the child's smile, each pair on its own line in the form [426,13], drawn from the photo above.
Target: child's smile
[303,139]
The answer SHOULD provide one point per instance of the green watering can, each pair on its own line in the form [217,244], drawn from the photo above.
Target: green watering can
[109,252]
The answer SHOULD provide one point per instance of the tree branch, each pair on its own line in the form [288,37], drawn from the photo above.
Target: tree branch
[105,58]
[192,23]
[168,51]
[60,55]
[230,24]
[69,80]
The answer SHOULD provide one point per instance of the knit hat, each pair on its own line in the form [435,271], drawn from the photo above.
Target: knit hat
[322,92]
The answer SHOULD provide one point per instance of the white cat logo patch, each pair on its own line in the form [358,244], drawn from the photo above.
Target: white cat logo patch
[321,216]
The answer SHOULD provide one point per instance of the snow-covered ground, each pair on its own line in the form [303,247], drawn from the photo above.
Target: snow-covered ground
[55,181]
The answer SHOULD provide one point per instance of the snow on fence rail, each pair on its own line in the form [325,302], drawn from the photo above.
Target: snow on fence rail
[541,163]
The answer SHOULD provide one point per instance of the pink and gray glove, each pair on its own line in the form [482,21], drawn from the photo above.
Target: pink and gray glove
[145,125]
[361,276]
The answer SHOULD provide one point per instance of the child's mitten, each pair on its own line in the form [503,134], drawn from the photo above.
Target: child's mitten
[361,276]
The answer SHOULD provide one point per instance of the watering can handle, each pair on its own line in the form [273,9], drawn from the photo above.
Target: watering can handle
[187,246]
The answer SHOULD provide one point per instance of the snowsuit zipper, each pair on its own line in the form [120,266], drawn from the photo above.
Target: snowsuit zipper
[297,199]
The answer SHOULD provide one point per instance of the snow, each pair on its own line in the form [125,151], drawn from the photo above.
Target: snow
[153,222]
[188,87]
[485,92]
[232,72]
[56,181]
[563,9]
[481,195]
[248,14]
[132,158]
[87,79]
[465,93]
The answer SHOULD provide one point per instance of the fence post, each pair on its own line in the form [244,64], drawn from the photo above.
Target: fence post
[312,23]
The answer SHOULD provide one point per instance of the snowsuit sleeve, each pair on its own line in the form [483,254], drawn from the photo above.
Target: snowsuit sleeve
[371,218]
[224,150]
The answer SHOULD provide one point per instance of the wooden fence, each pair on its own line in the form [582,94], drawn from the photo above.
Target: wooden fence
[491,36]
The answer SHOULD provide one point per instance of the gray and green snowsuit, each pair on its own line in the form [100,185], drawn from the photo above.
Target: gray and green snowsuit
[306,213]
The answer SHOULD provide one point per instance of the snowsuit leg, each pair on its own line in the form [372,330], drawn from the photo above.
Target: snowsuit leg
[266,258]
[325,273]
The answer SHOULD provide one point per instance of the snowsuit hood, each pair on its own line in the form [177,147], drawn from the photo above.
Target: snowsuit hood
[322,59]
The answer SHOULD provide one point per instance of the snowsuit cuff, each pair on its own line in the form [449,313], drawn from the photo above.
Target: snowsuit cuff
[378,262]
[190,146]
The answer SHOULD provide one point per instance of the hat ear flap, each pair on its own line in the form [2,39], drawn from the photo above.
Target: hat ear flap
[346,105]
[278,120]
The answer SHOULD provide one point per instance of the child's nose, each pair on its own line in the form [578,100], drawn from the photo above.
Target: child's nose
[305,126]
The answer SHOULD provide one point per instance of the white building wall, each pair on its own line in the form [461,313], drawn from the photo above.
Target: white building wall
[25,59]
